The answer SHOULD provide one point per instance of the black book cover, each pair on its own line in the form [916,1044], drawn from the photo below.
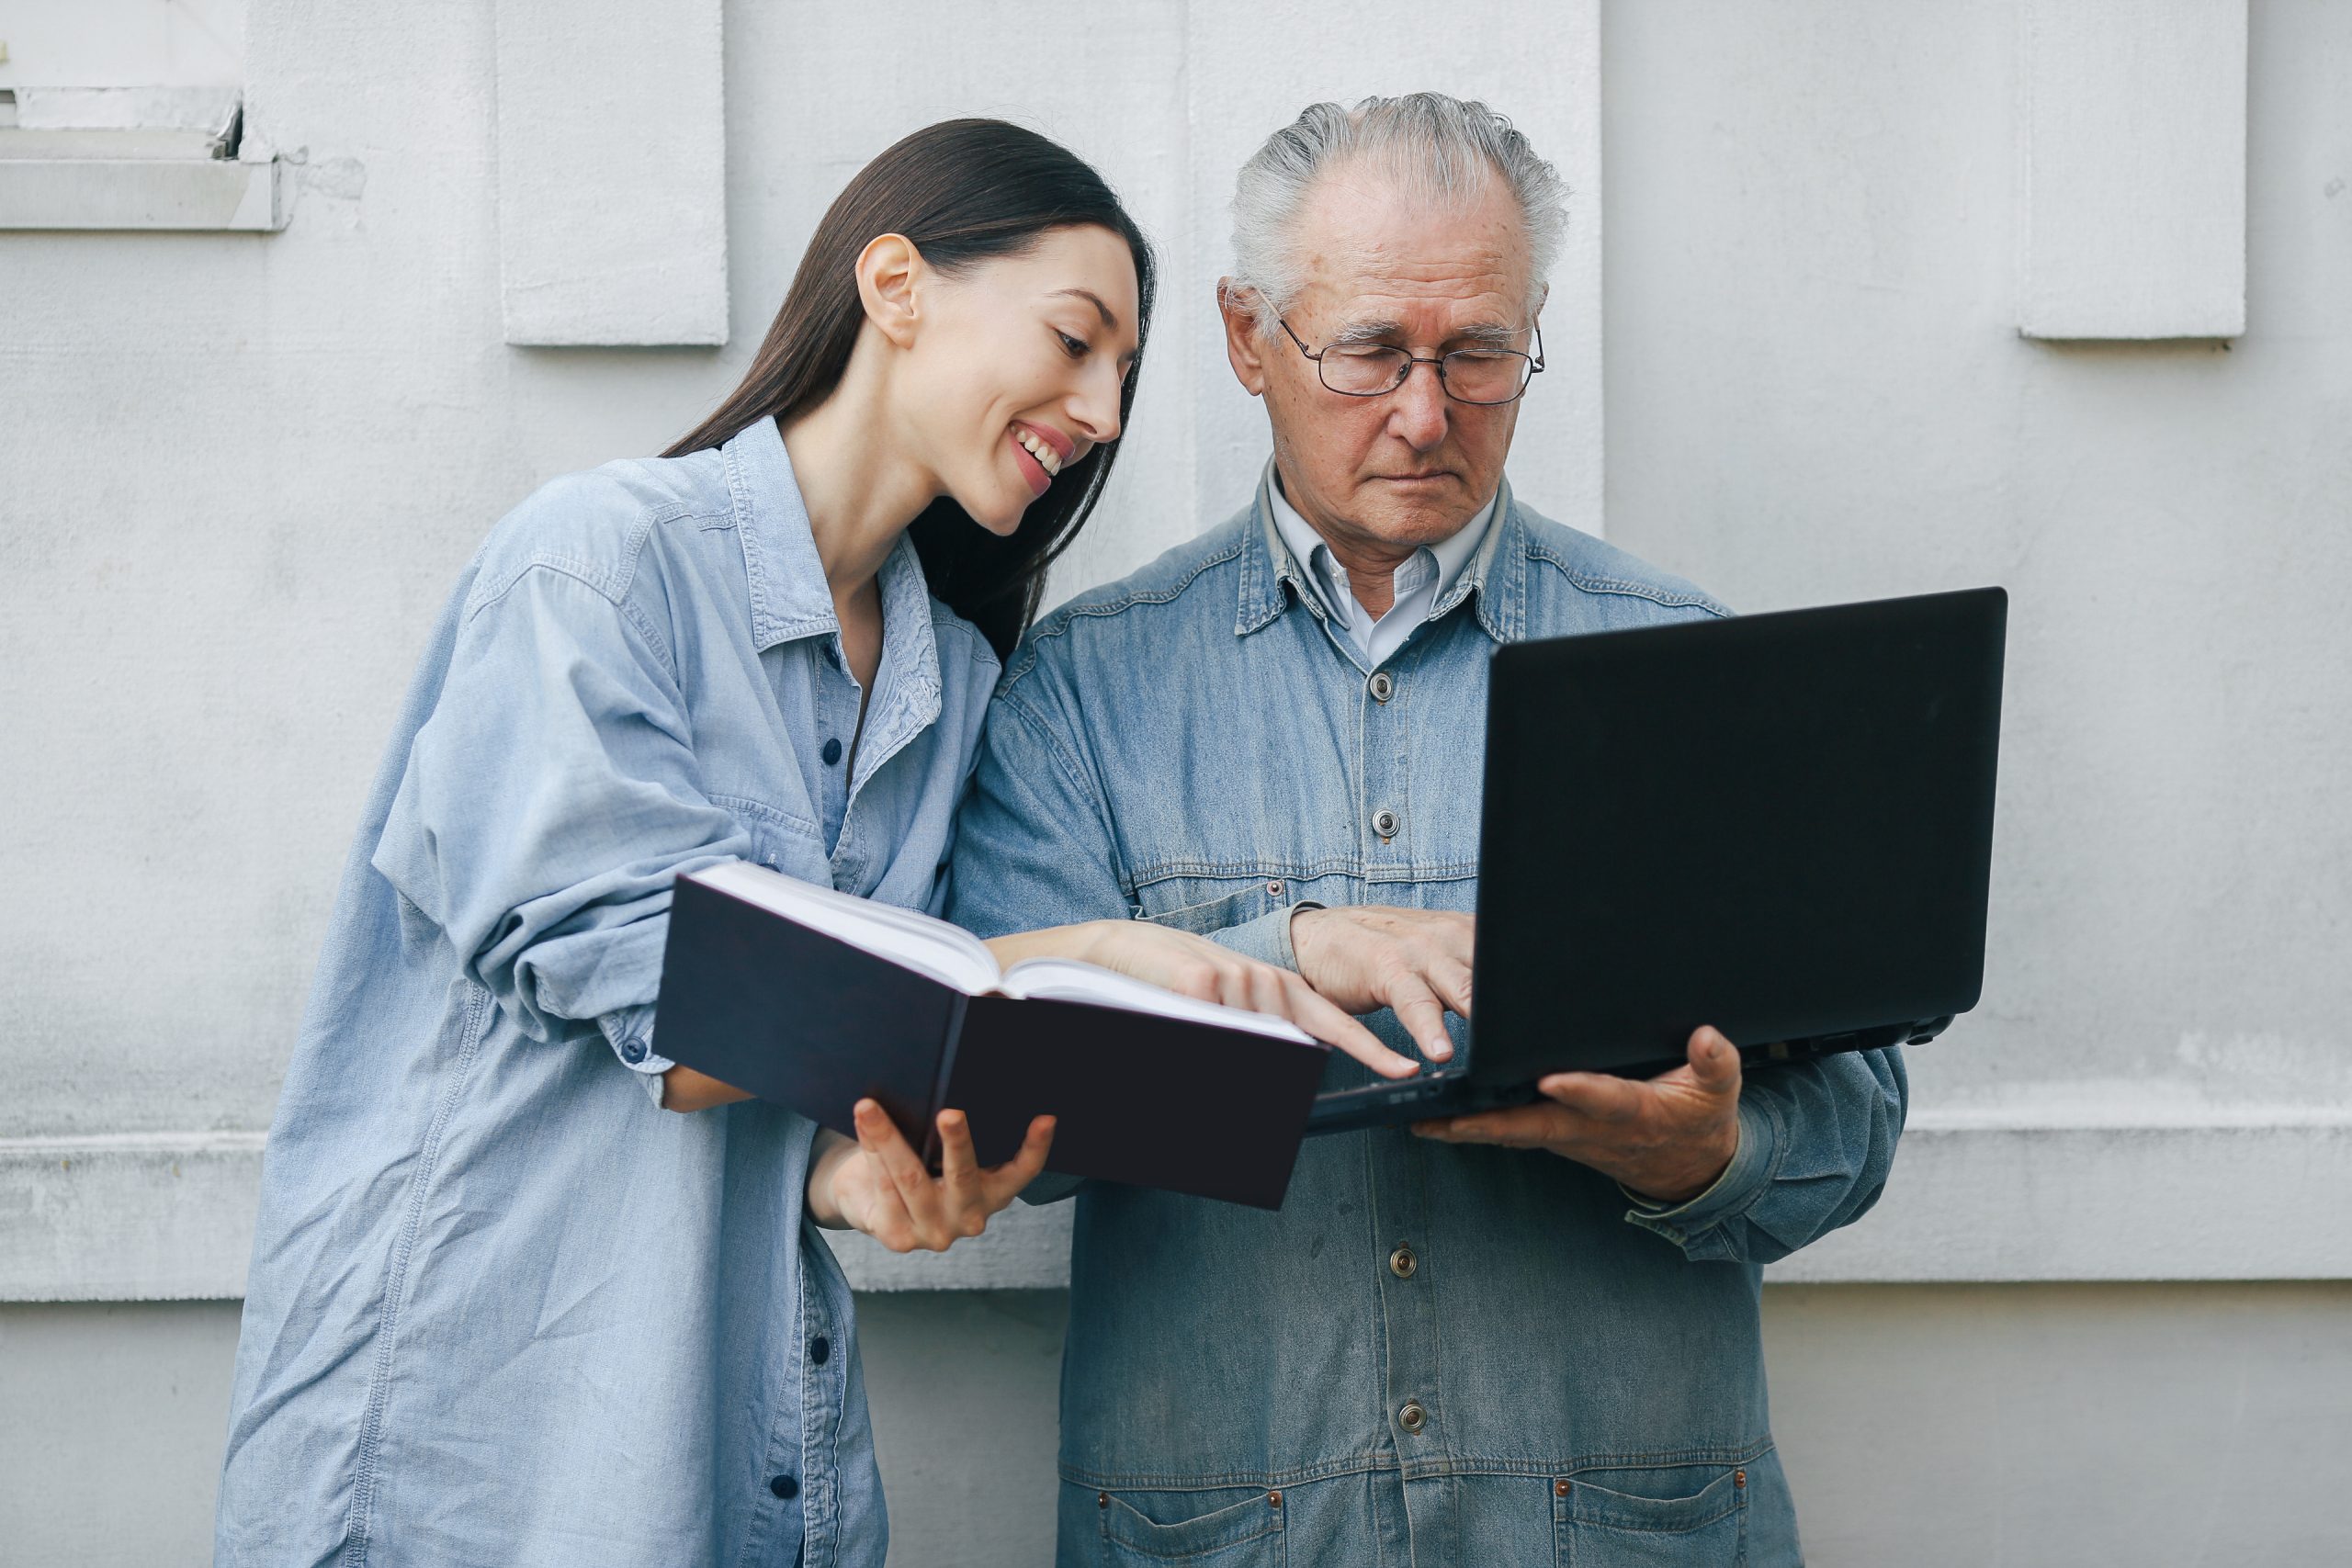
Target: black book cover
[806,1020]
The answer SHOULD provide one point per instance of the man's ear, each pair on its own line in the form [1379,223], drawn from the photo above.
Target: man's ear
[1237,305]
[891,275]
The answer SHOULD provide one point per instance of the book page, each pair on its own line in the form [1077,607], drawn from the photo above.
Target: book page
[947,954]
[1072,980]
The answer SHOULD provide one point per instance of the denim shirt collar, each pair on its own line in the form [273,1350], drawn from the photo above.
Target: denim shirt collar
[1496,576]
[790,599]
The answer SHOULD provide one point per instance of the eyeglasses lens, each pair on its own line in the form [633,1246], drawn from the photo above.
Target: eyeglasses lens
[1470,377]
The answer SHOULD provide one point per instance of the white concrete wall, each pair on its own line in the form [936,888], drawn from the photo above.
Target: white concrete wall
[1950,1427]
[1815,391]
[238,472]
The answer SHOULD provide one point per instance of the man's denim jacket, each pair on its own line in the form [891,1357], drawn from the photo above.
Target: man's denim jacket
[1431,1353]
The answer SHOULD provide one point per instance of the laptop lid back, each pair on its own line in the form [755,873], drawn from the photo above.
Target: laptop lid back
[1778,824]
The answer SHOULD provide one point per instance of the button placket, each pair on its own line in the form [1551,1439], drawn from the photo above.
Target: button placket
[1386,776]
[1413,1376]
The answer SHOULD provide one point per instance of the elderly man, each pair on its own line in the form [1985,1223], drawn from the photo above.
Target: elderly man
[1516,1335]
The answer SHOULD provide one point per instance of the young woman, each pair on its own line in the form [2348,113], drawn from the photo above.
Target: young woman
[504,1308]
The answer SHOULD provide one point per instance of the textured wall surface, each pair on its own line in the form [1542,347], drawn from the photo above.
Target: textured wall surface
[1816,392]
[239,474]
[1967,1427]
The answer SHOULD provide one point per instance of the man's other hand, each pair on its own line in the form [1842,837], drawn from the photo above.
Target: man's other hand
[1414,961]
[1666,1139]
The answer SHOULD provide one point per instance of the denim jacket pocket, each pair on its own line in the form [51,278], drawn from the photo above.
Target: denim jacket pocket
[1210,915]
[781,841]
[1246,1534]
[1596,1526]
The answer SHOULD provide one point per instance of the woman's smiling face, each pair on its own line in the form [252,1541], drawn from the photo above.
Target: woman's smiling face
[1015,371]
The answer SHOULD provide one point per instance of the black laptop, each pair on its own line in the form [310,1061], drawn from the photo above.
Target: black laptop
[1779,824]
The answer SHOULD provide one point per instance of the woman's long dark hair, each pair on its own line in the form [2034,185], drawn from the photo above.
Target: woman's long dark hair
[960,191]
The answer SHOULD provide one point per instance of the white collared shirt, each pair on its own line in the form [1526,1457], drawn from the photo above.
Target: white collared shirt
[1416,585]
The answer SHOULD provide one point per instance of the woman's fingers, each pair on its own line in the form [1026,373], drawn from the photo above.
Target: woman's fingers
[1266,992]
[1261,988]
[1319,1016]
[1004,1183]
[966,1209]
[880,1138]
[910,1208]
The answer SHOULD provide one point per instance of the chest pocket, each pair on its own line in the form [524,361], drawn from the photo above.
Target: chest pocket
[780,841]
[1206,904]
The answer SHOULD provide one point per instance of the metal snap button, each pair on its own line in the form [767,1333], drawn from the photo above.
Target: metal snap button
[1274,1499]
[1275,888]
[1739,1478]
[1402,1262]
[1383,822]
[1560,1489]
[1412,1417]
[1382,685]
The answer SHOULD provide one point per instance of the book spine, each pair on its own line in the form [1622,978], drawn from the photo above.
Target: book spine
[956,1006]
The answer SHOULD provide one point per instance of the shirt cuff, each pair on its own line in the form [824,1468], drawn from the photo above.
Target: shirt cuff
[1743,1182]
[1267,938]
[630,1033]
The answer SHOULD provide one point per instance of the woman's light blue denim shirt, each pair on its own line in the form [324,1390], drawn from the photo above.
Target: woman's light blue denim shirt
[502,1308]
[1432,1353]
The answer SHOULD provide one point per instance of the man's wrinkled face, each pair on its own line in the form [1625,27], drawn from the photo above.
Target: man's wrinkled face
[1382,476]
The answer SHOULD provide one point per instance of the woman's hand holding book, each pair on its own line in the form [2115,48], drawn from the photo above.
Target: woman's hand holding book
[876,1183]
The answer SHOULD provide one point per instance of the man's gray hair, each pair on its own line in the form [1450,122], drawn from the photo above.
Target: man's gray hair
[1440,150]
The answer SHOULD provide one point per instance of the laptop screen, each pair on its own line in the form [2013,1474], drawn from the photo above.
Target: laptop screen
[1776,823]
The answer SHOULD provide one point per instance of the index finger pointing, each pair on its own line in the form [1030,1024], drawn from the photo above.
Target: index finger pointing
[1322,1018]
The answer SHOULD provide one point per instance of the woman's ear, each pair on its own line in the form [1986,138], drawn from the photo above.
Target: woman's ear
[891,275]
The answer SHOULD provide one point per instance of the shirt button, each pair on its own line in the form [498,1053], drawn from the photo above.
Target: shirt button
[632,1051]
[1275,888]
[1383,822]
[1412,1417]
[786,1486]
[831,752]
[820,1349]
[1402,1262]
[1382,685]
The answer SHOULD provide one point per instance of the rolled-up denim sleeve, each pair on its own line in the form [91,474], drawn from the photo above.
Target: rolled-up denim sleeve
[1816,1141]
[547,806]
[1267,938]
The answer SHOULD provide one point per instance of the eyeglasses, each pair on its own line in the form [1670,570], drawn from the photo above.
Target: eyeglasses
[1481,376]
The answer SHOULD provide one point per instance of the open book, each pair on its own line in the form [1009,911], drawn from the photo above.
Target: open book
[815,998]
